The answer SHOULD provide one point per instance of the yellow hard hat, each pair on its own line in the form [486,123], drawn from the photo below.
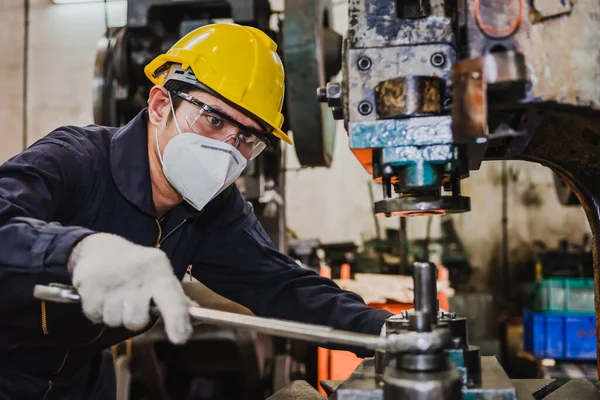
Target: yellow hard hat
[239,63]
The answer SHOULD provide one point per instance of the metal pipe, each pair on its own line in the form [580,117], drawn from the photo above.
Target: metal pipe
[425,289]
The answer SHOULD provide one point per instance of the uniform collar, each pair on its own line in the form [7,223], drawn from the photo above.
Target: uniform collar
[129,163]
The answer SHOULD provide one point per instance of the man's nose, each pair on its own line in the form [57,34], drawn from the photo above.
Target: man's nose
[232,140]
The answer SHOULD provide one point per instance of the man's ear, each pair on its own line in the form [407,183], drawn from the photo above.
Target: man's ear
[158,105]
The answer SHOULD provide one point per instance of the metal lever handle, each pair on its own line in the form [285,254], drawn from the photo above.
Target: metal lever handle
[274,327]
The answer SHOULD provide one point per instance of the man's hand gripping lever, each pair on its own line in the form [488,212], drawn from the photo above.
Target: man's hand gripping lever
[118,280]
[317,334]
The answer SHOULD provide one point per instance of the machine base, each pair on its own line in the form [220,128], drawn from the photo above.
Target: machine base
[363,384]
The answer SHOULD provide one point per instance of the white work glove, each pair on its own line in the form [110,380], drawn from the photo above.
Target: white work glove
[116,280]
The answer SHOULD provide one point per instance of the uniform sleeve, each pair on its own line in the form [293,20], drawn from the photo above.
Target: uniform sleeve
[36,187]
[241,263]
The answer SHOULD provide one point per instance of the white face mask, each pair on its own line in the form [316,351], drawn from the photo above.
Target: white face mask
[199,168]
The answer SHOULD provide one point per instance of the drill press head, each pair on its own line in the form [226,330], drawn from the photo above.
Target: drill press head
[394,99]
[416,115]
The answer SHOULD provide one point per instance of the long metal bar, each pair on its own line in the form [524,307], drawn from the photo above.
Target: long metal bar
[275,327]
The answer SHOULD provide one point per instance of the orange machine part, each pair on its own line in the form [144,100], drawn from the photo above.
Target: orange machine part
[365,157]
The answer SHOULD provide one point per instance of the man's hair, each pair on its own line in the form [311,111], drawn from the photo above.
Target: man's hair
[177,86]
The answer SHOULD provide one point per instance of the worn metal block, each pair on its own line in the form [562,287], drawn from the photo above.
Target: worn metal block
[561,53]
[297,390]
[400,132]
[361,385]
[495,384]
[538,388]
[575,389]
[330,386]
[416,155]
[388,63]
[374,23]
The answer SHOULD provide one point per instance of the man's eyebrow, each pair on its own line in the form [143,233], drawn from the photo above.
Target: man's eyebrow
[220,109]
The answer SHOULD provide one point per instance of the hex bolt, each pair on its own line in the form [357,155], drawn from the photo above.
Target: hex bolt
[365,108]
[364,63]
[333,90]
[322,94]
[438,60]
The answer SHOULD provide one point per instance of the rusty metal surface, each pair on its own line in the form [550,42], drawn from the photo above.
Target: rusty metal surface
[370,29]
[472,79]
[409,96]
[506,66]
[390,63]
[561,52]
[469,110]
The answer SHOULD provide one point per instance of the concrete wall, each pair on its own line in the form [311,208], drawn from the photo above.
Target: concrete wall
[12,17]
[327,204]
[62,49]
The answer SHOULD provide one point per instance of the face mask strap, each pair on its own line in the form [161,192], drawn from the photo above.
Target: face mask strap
[158,148]
[156,130]
[173,111]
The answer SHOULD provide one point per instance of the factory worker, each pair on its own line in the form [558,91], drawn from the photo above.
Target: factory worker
[120,213]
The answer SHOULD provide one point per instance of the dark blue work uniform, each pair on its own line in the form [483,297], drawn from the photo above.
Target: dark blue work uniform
[81,180]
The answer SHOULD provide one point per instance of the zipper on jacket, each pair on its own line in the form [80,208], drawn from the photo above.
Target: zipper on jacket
[44,319]
[64,361]
[157,245]
[50,384]
[161,239]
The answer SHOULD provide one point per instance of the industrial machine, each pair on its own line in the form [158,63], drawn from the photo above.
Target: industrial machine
[429,89]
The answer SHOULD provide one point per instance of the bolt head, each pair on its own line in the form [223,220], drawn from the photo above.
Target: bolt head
[438,60]
[365,108]
[364,63]
[322,94]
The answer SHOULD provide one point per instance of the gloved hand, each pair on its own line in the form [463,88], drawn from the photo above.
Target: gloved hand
[116,280]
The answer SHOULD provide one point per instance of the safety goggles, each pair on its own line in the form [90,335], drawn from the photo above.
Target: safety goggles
[215,124]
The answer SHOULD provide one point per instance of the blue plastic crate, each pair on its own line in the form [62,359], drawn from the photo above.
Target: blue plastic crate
[564,336]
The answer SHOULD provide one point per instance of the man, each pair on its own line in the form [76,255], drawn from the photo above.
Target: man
[122,213]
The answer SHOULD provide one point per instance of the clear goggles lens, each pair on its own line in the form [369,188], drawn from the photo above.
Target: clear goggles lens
[215,127]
